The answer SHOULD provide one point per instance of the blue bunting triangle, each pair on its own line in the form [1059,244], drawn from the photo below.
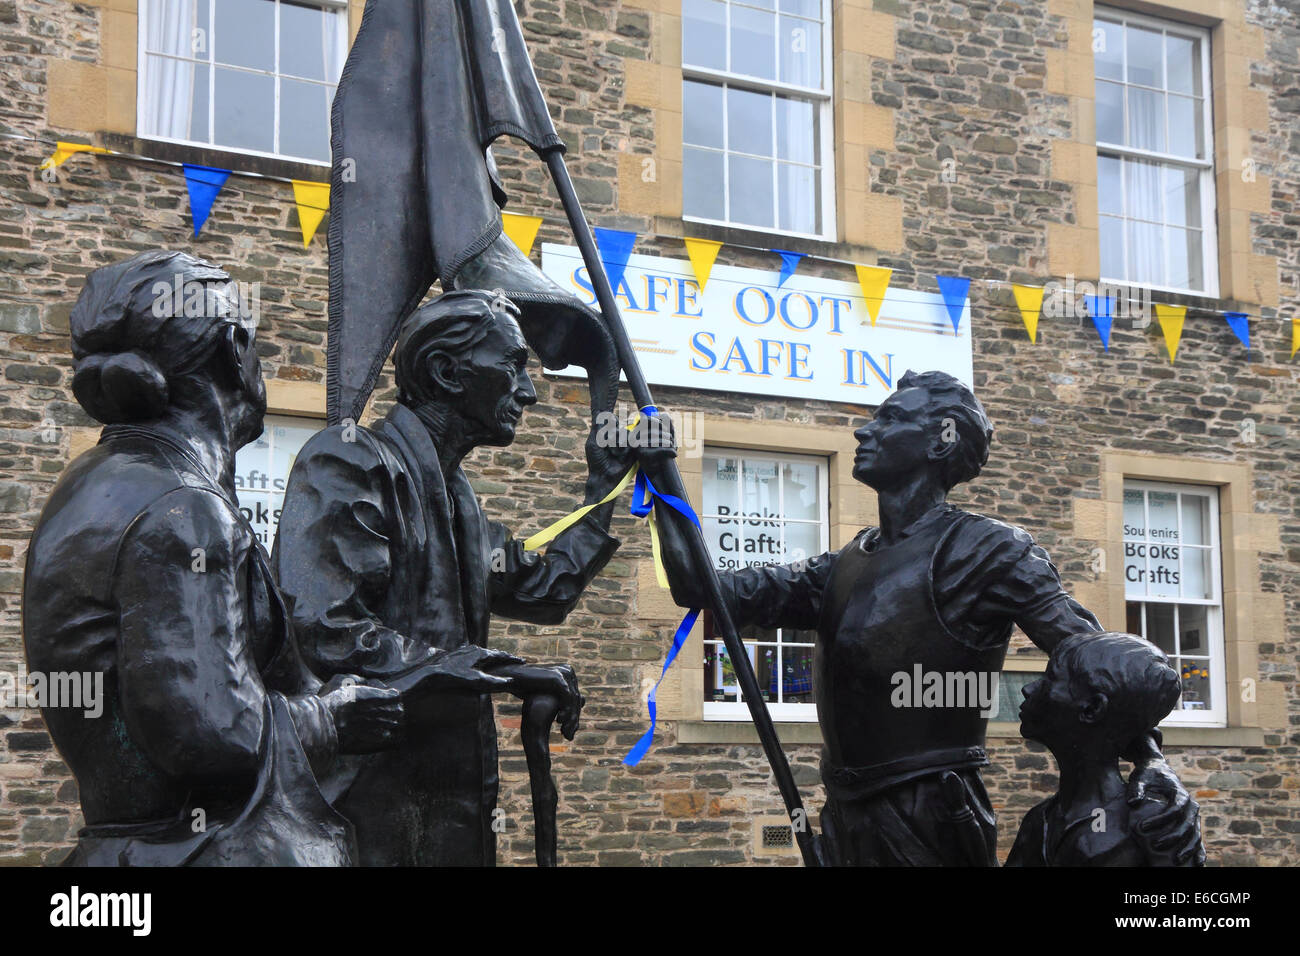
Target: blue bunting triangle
[203,183]
[1239,322]
[1099,311]
[615,247]
[789,262]
[954,292]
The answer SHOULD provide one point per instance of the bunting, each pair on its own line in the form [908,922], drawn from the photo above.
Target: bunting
[615,246]
[1099,312]
[1295,336]
[703,253]
[203,184]
[954,291]
[1029,300]
[521,230]
[1171,319]
[312,200]
[1239,322]
[65,151]
[789,262]
[874,281]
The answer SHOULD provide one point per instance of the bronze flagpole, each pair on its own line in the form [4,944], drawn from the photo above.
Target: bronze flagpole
[699,550]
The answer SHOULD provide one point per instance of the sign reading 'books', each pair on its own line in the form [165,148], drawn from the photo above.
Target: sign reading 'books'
[808,338]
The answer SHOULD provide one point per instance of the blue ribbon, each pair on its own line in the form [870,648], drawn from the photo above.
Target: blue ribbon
[643,495]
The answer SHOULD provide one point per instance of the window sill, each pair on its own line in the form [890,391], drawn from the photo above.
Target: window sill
[1174,736]
[743,732]
[824,248]
[217,158]
[808,732]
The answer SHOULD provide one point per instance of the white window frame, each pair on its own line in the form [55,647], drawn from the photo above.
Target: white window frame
[733,710]
[250,455]
[142,56]
[1209,231]
[1217,716]
[822,100]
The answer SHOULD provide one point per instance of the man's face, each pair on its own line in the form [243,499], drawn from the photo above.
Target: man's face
[893,446]
[497,386]
[1050,710]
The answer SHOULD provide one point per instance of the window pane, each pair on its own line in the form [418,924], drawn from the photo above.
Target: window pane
[796,675]
[1146,254]
[761,488]
[1146,119]
[245,34]
[1110,197]
[702,114]
[804,8]
[1195,674]
[719,485]
[1185,127]
[1182,196]
[1108,50]
[802,542]
[749,123]
[801,52]
[1185,258]
[802,490]
[753,43]
[244,110]
[1183,64]
[1144,57]
[1197,579]
[1142,190]
[1193,636]
[176,98]
[178,27]
[1112,248]
[702,192]
[302,42]
[1135,522]
[750,191]
[796,130]
[1110,112]
[704,39]
[304,119]
[797,198]
[1160,627]
[1196,519]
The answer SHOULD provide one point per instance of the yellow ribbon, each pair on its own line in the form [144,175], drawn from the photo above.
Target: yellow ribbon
[551,532]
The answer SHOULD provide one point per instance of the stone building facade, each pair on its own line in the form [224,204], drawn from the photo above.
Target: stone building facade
[964,142]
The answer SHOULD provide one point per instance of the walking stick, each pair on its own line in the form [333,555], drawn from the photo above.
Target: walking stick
[699,550]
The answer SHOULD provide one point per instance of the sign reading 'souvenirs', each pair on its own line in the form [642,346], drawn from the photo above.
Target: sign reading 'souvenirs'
[809,338]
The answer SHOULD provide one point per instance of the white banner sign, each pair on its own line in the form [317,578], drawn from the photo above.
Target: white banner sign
[811,338]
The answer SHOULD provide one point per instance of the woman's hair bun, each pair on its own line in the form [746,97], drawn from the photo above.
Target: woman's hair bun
[120,387]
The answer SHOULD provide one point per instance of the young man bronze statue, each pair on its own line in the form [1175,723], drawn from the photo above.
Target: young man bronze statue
[935,588]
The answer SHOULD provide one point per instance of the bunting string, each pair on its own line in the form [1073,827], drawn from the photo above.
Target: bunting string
[311,200]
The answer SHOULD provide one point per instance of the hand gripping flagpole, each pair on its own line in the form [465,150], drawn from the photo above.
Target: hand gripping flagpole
[673,486]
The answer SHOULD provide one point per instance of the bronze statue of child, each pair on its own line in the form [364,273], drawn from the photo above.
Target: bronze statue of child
[1099,692]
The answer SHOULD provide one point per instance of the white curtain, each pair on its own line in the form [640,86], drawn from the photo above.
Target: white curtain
[334,36]
[798,184]
[169,83]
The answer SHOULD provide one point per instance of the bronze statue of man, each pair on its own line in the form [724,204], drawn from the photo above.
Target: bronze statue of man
[142,569]
[387,559]
[933,587]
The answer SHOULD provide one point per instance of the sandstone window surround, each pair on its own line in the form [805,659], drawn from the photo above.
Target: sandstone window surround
[756,113]
[101,99]
[1155,149]
[849,508]
[1238,110]
[251,76]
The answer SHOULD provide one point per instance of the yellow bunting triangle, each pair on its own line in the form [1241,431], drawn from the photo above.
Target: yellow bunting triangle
[703,252]
[1295,336]
[521,230]
[64,151]
[312,199]
[1171,324]
[1029,299]
[874,280]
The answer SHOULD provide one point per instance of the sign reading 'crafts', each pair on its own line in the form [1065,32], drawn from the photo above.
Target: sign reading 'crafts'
[808,338]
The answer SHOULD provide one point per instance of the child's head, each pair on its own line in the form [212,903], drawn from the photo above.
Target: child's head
[1099,687]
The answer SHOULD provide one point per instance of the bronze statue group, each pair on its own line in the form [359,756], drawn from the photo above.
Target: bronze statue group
[331,703]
